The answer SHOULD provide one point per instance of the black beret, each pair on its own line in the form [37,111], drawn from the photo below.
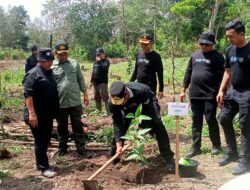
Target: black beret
[117,89]
[117,92]
[45,54]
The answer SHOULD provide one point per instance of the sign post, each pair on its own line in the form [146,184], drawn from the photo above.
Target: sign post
[177,109]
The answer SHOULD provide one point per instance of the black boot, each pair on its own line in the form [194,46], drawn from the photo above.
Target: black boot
[240,169]
[228,158]
[193,152]
[215,150]
[170,165]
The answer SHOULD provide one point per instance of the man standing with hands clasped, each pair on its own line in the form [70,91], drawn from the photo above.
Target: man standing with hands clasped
[237,98]
[204,74]
[70,84]
[148,64]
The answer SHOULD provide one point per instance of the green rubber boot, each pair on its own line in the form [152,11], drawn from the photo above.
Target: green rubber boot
[107,108]
[98,105]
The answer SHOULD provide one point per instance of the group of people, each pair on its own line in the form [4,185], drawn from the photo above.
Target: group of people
[214,81]
[53,86]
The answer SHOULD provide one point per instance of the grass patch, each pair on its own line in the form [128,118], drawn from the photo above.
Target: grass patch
[12,91]
[13,77]
[170,122]
[15,149]
[4,173]
[104,135]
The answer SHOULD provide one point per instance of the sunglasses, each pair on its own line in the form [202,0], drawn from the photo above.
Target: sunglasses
[34,50]
[205,45]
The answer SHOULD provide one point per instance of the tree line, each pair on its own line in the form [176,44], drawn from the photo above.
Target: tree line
[117,24]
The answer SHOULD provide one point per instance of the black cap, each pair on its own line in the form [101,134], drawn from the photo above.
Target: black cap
[33,47]
[45,54]
[145,39]
[207,38]
[117,92]
[99,51]
[62,47]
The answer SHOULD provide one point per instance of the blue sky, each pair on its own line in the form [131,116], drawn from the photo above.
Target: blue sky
[34,7]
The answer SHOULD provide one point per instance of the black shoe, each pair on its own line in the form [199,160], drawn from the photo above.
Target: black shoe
[193,152]
[84,154]
[170,165]
[215,150]
[62,152]
[227,159]
[240,169]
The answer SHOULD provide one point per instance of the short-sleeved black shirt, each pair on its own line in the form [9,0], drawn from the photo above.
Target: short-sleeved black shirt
[204,74]
[238,59]
[42,87]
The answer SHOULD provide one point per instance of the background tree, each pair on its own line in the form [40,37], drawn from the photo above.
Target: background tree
[92,24]
[117,25]
[14,28]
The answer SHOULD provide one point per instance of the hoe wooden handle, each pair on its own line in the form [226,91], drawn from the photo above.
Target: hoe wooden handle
[110,161]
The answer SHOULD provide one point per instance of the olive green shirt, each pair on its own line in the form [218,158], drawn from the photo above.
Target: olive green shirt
[70,82]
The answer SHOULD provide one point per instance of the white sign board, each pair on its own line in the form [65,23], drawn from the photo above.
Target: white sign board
[177,109]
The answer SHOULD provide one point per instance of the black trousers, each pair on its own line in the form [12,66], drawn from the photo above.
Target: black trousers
[75,118]
[207,108]
[42,136]
[153,110]
[229,110]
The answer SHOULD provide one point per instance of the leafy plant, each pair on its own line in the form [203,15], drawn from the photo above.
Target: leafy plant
[4,173]
[104,135]
[16,149]
[137,136]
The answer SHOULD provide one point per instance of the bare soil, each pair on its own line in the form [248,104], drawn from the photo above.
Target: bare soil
[72,169]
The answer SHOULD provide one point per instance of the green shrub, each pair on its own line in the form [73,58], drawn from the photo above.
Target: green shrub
[14,55]
[116,49]
[1,55]
[222,45]
[78,53]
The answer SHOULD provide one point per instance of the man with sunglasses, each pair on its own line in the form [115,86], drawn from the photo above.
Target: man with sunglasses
[203,77]
[70,84]
[148,64]
[31,61]
[125,98]
[236,99]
